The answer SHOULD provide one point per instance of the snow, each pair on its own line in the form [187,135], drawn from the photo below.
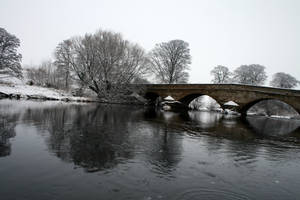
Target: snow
[14,86]
[166,107]
[138,97]
[218,110]
[280,116]
[10,80]
[203,109]
[231,103]
[230,112]
[25,91]
[29,90]
[169,98]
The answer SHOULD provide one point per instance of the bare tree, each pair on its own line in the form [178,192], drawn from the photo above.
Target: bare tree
[221,74]
[104,62]
[63,54]
[9,57]
[253,74]
[169,61]
[36,76]
[283,80]
[46,74]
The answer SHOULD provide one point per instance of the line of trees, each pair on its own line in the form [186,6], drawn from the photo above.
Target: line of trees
[47,74]
[253,74]
[103,62]
[106,63]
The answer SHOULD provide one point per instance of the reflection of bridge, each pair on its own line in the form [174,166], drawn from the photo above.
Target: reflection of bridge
[244,95]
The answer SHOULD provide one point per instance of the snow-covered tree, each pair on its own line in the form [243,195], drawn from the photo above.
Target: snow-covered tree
[253,74]
[204,102]
[63,56]
[284,80]
[104,62]
[169,61]
[10,59]
[273,107]
[221,74]
[45,74]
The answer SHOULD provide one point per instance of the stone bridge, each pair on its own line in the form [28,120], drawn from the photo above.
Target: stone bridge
[244,95]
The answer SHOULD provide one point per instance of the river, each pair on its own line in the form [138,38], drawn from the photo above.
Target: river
[55,150]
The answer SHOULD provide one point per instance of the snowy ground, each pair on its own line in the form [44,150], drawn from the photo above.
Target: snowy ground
[15,87]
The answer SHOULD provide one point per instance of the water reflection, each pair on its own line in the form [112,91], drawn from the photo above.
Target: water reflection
[205,119]
[93,137]
[139,153]
[98,137]
[273,127]
[7,126]
[252,126]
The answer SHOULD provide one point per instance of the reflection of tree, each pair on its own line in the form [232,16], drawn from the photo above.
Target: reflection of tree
[161,143]
[7,131]
[96,137]
[165,148]
[93,137]
[281,137]
[271,126]
[219,125]
[250,128]
[101,141]
[205,119]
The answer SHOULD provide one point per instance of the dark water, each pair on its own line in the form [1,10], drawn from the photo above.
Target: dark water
[53,150]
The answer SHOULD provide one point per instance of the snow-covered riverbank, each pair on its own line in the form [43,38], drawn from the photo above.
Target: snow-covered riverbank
[23,91]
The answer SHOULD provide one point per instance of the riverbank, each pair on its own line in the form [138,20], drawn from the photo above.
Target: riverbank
[22,91]
[32,92]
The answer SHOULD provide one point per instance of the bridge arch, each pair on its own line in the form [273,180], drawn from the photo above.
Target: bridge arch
[152,96]
[186,100]
[244,109]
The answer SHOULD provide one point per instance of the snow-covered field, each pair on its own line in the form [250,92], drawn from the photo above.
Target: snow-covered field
[15,87]
[24,90]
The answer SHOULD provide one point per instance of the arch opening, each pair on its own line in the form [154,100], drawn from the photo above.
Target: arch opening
[271,108]
[201,102]
[151,97]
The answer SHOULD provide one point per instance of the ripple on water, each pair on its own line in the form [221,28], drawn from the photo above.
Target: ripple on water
[210,193]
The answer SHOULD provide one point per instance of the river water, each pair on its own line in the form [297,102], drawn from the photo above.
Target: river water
[52,150]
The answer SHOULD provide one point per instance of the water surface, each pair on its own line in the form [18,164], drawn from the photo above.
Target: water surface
[54,150]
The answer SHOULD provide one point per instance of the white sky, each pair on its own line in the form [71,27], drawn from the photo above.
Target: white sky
[220,32]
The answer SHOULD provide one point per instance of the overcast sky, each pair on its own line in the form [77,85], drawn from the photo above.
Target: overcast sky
[220,32]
